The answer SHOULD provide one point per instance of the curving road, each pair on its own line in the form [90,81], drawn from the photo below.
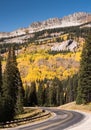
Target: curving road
[60,121]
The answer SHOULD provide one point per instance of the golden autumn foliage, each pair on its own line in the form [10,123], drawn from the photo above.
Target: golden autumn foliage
[35,62]
[40,64]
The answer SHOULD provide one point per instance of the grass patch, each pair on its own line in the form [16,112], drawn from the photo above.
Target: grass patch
[74,106]
[29,112]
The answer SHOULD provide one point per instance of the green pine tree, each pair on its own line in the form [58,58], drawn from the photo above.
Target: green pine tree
[8,90]
[11,87]
[1,101]
[33,96]
[84,85]
[18,84]
[30,95]
[19,103]
[0,76]
[27,95]
[40,92]
[70,91]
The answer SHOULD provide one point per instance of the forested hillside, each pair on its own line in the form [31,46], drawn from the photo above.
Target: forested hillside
[32,73]
[48,77]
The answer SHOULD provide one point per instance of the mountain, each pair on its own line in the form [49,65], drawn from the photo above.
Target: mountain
[70,20]
[76,19]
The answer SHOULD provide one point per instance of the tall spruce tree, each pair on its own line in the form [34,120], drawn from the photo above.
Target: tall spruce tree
[51,94]
[27,95]
[75,85]
[70,91]
[1,106]
[11,86]
[0,76]
[8,90]
[55,92]
[31,95]
[20,100]
[84,84]
[20,93]
[40,92]
[18,84]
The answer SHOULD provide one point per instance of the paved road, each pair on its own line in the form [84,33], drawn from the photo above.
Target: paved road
[60,121]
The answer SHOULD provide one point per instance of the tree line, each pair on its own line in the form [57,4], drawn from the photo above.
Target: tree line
[51,92]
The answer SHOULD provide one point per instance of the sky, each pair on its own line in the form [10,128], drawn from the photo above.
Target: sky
[16,14]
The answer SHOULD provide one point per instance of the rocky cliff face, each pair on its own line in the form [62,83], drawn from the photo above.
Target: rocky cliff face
[70,20]
[68,45]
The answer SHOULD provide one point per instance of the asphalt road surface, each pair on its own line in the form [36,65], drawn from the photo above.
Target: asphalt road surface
[60,121]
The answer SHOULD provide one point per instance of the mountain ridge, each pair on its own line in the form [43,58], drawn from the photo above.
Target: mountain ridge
[74,19]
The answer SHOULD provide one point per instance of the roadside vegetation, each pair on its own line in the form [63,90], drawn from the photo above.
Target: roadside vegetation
[29,112]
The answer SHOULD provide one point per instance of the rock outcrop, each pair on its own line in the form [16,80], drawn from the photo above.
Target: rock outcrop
[69,45]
